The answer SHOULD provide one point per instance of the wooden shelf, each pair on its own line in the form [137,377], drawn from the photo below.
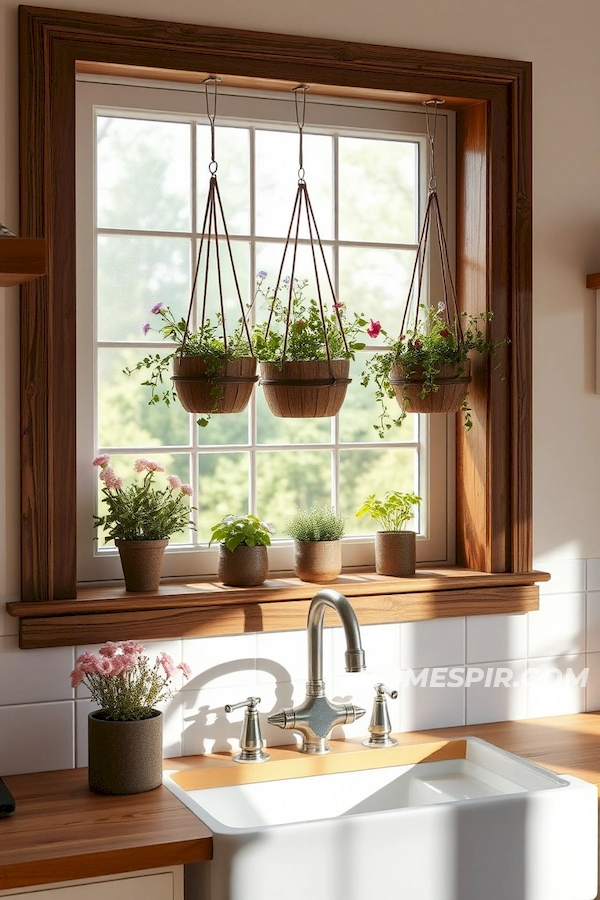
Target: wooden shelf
[21,259]
[208,609]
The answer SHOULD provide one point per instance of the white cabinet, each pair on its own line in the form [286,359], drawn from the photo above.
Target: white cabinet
[156,884]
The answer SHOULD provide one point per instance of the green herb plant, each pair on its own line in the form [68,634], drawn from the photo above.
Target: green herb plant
[247,530]
[317,523]
[424,350]
[393,512]
[206,343]
[306,335]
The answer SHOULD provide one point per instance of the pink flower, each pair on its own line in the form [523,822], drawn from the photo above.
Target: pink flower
[132,647]
[185,669]
[167,663]
[146,328]
[338,305]
[77,676]
[87,662]
[187,489]
[374,329]
[417,344]
[107,475]
[102,461]
[174,481]
[109,649]
[156,308]
[104,666]
[444,333]
[143,465]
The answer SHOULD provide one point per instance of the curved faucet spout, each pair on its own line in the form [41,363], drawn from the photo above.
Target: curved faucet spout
[355,655]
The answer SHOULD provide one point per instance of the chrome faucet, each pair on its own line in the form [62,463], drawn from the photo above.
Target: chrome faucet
[316,716]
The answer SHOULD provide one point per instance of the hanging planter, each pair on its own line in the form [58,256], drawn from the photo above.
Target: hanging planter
[214,372]
[428,368]
[305,347]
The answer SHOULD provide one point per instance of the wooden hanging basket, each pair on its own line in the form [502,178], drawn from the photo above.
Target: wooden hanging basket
[227,390]
[453,385]
[305,389]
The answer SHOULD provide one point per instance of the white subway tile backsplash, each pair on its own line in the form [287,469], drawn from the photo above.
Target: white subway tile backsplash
[496,638]
[593,621]
[34,676]
[593,575]
[283,656]
[557,628]
[433,642]
[592,699]
[381,644]
[36,737]
[221,662]
[500,696]
[567,576]
[553,690]
[431,706]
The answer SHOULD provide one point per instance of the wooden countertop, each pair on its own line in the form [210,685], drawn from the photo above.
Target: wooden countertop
[61,831]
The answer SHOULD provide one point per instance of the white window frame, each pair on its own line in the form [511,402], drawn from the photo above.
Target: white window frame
[97,95]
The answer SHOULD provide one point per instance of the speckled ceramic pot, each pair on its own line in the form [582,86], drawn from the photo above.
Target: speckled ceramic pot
[395,553]
[244,566]
[319,561]
[124,757]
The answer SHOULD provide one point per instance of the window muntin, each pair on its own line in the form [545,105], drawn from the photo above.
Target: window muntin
[151,249]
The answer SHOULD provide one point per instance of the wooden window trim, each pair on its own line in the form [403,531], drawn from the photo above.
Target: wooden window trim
[492,99]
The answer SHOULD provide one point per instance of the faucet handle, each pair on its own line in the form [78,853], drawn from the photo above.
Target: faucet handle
[380,726]
[251,742]
[251,703]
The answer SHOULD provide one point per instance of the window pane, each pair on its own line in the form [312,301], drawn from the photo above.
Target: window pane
[375,283]
[268,259]
[273,430]
[232,152]
[231,428]
[378,190]
[134,273]
[125,418]
[174,464]
[289,479]
[231,298]
[277,182]
[143,171]
[359,414]
[222,489]
[364,472]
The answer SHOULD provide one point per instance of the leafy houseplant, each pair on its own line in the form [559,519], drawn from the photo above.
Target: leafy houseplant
[317,533]
[428,369]
[125,734]
[305,351]
[395,547]
[209,375]
[141,518]
[243,559]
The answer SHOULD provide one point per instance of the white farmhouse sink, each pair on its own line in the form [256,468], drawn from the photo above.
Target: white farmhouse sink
[473,823]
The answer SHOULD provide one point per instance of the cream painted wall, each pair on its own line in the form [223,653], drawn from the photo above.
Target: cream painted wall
[561,39]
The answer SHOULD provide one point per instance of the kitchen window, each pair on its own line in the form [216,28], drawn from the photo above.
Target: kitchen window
[142,176]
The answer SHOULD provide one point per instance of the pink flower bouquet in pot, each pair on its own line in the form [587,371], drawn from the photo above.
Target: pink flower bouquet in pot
[141,518]
[125,734]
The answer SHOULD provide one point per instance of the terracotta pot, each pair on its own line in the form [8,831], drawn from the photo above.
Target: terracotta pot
[319,561]
[453,385]
[141,561]
[395,553]
[305,389]
[124,757]
[244,566]
[227,390]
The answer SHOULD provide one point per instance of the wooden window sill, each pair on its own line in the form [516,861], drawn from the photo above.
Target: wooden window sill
[205,608]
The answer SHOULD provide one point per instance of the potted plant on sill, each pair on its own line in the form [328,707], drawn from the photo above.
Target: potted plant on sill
[304,352]
[317,533]
[428,369]
[243,542]
[125,734]
[212,373]
[395,547]
[141,518]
